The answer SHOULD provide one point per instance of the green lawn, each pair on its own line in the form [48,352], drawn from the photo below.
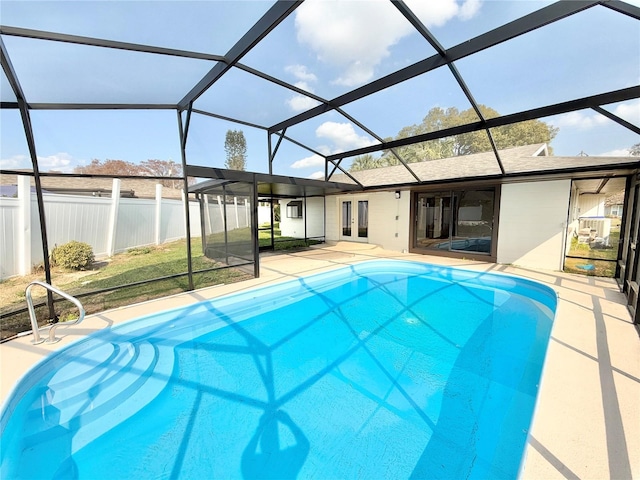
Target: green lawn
[593,263]
[135,265]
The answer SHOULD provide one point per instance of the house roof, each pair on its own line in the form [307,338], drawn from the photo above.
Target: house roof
[517,162]
[96,186]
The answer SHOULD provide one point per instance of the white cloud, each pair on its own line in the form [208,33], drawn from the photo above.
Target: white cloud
[469,9]
[340,136]
[61,162]
[629,111]
[300,103]
[620,152]
[301,73]
[312,161]
[317,175]
[585,120]
[15,162]
[343,136]
[579,120]
[356,36]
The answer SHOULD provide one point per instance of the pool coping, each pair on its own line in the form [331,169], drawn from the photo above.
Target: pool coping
[586,424]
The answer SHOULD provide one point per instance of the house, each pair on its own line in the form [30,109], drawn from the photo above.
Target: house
[90,186]
[614,205]
[467,207]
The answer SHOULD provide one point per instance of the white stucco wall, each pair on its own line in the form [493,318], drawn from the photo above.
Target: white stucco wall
[388,219]
[533,220]
[295,227]
[332,214]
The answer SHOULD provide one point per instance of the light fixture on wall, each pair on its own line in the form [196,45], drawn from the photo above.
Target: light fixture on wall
[397,193]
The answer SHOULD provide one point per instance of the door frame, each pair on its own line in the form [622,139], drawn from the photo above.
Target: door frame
[353,200]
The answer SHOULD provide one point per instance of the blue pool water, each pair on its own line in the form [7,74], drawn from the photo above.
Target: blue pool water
[386,369]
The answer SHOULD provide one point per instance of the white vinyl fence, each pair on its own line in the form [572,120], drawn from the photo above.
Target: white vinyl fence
[109,225]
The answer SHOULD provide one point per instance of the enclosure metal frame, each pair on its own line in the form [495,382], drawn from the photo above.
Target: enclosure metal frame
[277,13]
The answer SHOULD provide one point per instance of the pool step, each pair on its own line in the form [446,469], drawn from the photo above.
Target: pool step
[104,399]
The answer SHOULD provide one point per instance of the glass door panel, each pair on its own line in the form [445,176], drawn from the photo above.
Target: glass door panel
[473,221]
[433,220]
[347,219]
[363,219]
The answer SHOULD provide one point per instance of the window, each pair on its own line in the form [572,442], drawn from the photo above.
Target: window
[294,209]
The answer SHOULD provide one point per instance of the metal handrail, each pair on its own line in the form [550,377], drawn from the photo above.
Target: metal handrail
[32,312]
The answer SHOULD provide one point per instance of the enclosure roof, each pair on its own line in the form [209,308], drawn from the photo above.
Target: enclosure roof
[323,82]
[276,186]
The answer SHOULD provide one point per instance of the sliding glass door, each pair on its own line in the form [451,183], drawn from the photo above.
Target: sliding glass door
[455,221]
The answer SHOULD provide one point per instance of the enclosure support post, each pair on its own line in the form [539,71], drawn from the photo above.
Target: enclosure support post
[254,228]
[28,130]
[306,236]
[184,131]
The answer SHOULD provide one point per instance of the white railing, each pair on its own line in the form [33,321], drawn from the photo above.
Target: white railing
[32,312]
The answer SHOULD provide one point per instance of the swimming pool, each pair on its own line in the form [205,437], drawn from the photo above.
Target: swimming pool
[386,369]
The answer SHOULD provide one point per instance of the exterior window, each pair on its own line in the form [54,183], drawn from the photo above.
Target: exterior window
[294,209]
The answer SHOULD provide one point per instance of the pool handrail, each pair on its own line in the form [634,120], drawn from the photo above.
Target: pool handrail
[32,313]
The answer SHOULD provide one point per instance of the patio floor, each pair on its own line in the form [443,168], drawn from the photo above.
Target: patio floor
[587,423]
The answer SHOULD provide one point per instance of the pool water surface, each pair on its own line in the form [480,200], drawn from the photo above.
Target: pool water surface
[385,369]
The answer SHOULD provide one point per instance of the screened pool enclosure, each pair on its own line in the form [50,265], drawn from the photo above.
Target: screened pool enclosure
[318,90]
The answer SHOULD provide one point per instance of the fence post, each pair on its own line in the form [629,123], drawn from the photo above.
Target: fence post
[235,203]
[207,214]
[113,217]
[24,225]
[185,201]
[158,221]
[221,208]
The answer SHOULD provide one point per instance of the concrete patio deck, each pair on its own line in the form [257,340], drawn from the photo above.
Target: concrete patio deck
[587,422]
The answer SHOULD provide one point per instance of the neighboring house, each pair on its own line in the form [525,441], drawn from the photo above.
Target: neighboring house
[614,205]
[468,208]
[93,187]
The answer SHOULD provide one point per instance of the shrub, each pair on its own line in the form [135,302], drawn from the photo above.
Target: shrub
[72,255]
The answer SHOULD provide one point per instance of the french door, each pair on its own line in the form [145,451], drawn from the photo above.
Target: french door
[354,220]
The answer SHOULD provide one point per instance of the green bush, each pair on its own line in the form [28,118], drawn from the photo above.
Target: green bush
[72,255]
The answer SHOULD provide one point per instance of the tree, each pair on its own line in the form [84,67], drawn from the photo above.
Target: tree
[109,167]
[235,147]
[163,168]
[147,168]
[635,150]
[364,162]
[524,133]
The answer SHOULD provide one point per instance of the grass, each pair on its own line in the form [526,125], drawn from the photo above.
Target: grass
[140,264]
[243,235]
[593,262]
[136,265]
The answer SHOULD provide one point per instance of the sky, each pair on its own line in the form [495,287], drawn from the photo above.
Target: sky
[326,48]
